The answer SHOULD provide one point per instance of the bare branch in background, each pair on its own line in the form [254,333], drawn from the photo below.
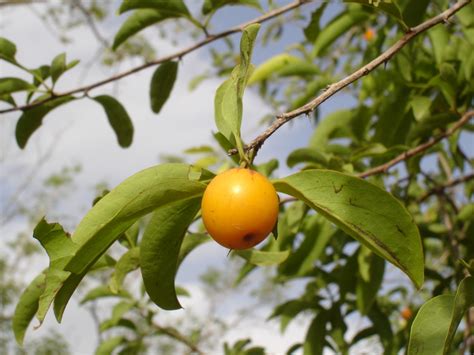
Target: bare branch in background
[418,149]
[177,55]
[365,70]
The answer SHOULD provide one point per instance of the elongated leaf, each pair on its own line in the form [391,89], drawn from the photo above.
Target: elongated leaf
[32,119]
[315,337]
[128,262]
[263,258]
[213,5]
[430,326]
[303,155]
[8,99]
[228,99]
[318,232]
[159,250]
[162,83]
[102,292]
[414,12]
[138,21]
[119,209]
[364,211]
[58,66]
[311,31]
[172,8]
[389,7]
[27,307]
[118,118]
[369,279]
[11,85]
[463,301]
[7,50]
[60,249]
[335,125]
[336,28]
[289,310]
[281,64]
[109,345]
[135,197]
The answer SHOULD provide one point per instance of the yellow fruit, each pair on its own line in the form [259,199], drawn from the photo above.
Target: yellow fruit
[406,313]
[369,34]
[239,208]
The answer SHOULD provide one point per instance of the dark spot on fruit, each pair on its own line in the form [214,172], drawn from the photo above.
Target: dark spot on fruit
[248,237]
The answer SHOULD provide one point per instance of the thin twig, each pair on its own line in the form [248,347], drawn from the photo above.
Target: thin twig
[177,55]
[91,23]
[173,333]
[418,149]
[366,69]
[440,188]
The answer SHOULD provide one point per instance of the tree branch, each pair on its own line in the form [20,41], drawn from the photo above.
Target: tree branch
[440,188]
[173,333]
[366,69]
[418,149]
[177,55]
[91,23]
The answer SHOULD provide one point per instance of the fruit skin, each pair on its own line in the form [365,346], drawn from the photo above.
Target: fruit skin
[239,208]
[406,313]
[369,34]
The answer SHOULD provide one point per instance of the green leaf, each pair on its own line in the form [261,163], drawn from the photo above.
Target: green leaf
[421,106]
[315,337]
[303,155]
[118,118]
[415,11]
[11,85]
[318,233]
[262,258]
[8,99]
[161,84]
[463,301]
[228,99]
[364,211]
[58,66]
[159,250]
[102,292]
[109,345]
[7,50]
[289,310]
[282,65]
[32,119]
[369,279]
[389,7]
[311,31]
[118,311]
[119,209]
[60,249]
[170,8]
[27,307]
[335,125]
[336,28]
[430,326]
[138,21]
[439,37]
[213,5]
[128,262]
[133,198]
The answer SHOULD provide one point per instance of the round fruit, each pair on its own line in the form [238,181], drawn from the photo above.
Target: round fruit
[406,313]
[369,34]
[239,208]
